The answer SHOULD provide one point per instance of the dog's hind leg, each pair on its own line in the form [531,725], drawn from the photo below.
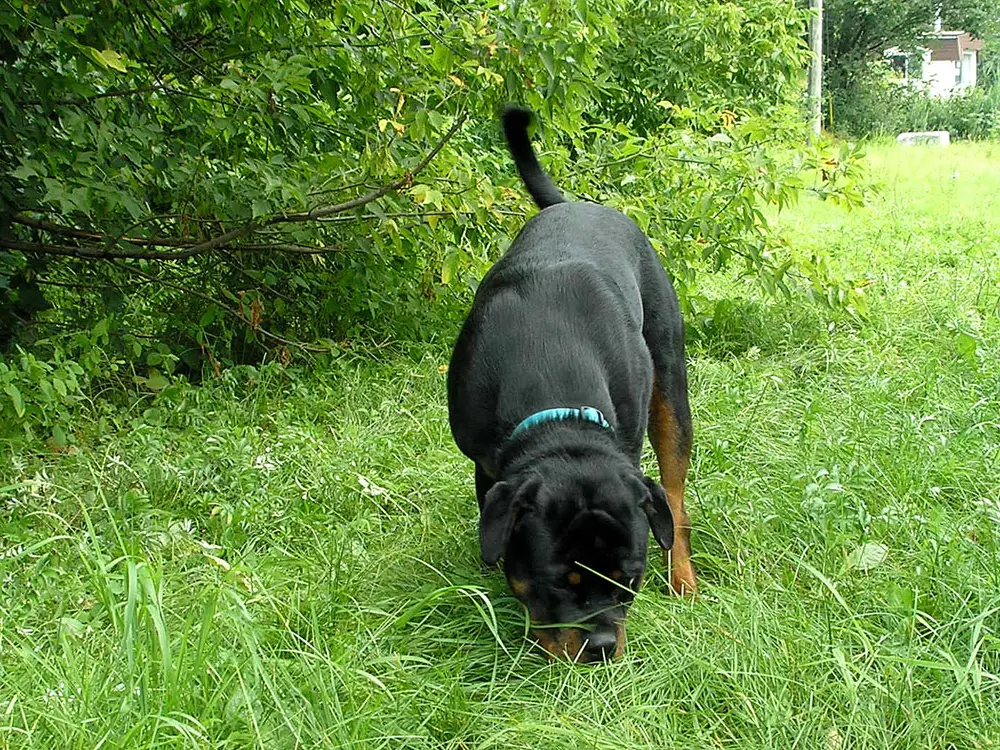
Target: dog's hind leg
[670,425]
[670,434]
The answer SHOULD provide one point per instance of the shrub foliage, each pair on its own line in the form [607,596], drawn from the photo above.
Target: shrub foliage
[196,184]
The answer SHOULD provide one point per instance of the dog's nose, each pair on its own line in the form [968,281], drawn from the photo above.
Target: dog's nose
[600,646]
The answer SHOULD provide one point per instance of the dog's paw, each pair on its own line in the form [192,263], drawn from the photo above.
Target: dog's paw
[683,581]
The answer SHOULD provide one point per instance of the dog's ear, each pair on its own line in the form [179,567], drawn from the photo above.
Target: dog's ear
[495,522]
[661,520]
[501,507]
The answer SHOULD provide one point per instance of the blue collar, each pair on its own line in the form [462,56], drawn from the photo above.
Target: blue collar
[584,414]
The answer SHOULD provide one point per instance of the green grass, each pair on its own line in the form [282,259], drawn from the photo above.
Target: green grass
[273,561]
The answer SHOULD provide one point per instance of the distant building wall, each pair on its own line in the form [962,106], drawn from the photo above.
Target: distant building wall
[950,63]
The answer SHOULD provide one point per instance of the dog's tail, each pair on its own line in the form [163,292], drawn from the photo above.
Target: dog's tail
[515,128]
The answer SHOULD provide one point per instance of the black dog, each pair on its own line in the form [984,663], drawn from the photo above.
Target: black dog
[573,348]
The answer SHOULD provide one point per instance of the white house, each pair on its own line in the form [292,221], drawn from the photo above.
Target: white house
[949,62]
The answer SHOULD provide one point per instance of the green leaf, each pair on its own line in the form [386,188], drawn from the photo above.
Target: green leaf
[25,171]
[134,208]
[419,193]
[868,556]
[59,436]
[208,316]
[433,197]
[16,398]
[450,266]
[113,60]
[156,381]
[441,58]
[967,346]
[72,627]
[108,59]
[548,62]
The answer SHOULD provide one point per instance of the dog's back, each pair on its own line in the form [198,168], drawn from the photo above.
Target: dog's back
[572,279]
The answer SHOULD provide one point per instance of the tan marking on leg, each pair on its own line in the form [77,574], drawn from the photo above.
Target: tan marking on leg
[519,587]
[673,457]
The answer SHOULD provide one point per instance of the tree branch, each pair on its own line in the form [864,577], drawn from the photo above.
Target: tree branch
[78,101]
[416,214]
[191,248]
[234,263]
[82,234]
[92,252]
[405,181]
[281,247]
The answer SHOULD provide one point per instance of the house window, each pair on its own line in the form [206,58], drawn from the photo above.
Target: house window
[969,68]
[897,63]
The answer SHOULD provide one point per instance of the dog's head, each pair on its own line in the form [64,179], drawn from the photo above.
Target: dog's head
[573,538]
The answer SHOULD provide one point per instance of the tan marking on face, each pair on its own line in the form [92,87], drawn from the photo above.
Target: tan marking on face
[548,642]
[617,575]
[567,643]
[575,578]
[519,587]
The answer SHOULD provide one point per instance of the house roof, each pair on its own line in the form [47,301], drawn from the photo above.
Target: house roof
[950,45]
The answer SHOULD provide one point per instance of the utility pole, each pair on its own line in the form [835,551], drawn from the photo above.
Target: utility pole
[816,66]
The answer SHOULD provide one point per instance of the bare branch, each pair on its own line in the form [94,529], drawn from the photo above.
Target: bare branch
[78,101]
[231,311]
[222,240]
[65,231]
[234,263]
[90,252]
[69,285]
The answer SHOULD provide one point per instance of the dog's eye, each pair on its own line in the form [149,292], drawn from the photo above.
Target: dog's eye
[574,579]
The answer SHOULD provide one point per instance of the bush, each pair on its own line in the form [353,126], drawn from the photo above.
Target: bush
[706,55]
[868,103]
[974,115]
[219,183]
[875,104]
[39,398]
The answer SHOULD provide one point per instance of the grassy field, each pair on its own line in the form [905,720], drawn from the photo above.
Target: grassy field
[283,562]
